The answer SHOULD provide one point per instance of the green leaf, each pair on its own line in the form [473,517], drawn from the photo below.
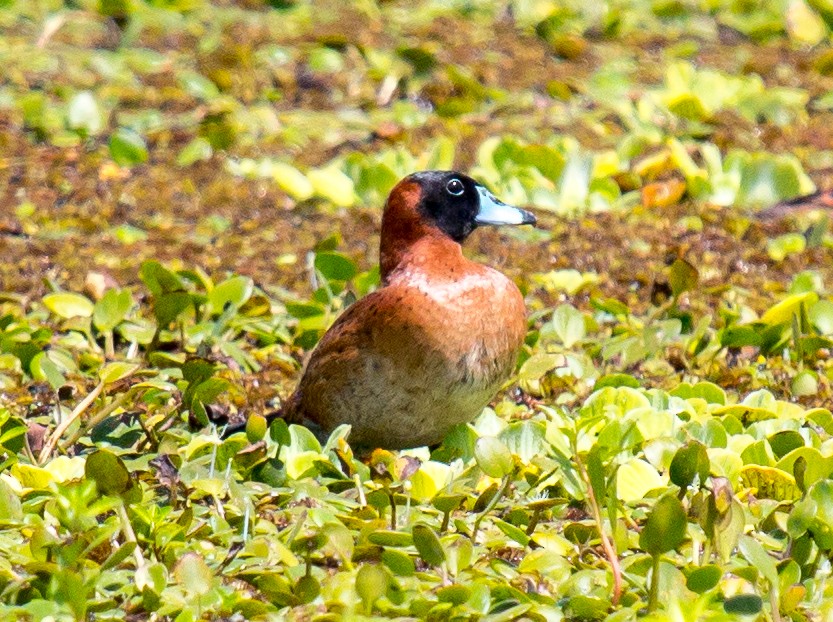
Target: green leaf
[760,559]
[743,604]
[331,184]
[197,150]
[683,277]
[234,291]
[398,562]
[68,305]
[43,367]
[428,545]
[108,472]
[690,461]
[111,310]
[158,279]
[391,538]
[194,574]
[279,432]
[127,148]
[512,532]
[11,510]
[371,584]
[168,307]
[335,266]
[787,308]
[704,578]
[493,457]
[568,323]
[665,528]
[635,479]
[113,372]
[785,245]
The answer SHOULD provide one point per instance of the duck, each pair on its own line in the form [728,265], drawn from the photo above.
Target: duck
[431,347]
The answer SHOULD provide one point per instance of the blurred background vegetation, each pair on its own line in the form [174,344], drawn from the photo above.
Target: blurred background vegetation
[192,192]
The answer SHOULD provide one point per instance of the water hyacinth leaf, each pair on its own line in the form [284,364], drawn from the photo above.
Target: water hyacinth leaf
[539,364]
[821,314]
[398,563]
[428,545]
[568,323]
[127,148]
[665,528]
[42,367]
[512,532]
[704,578]
[335,266]
[493,457]
[234,291]
[785,245]
[256,427]
[691,461]
[111,309]
[635,479]
[11,510]
[333,185]
[525,439]
[770,483]
[158,279]
[194,574]
[108,471]
[371,584]
[168,307]
[787,308]
[760,559]
[197,150]
[390,538]
[153,577]
[743,604]
[113,372]
[683,277]
[68,305]
[279,432]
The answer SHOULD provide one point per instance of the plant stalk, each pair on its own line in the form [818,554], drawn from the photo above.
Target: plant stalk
[49,446]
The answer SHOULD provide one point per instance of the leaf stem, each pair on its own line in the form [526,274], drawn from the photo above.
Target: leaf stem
[607,545]
[504,486]
[100,416]
[653,595]
[64,425]
[129,534]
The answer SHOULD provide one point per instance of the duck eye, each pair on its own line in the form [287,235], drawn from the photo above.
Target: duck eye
[455,187]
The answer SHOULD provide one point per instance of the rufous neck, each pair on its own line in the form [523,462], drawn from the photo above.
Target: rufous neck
[407,237]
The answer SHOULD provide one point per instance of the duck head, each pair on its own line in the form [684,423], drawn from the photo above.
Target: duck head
[445,206]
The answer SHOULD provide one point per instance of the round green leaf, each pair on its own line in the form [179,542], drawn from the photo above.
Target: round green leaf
[493,457]
[371,583]
[108,472]
[704,578]
[194,574]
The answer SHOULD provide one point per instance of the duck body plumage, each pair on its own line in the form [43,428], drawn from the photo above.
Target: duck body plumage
[426,351]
